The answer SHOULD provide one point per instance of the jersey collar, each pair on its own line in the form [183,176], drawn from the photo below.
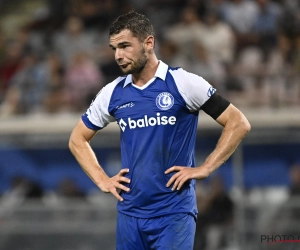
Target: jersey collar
[161,73]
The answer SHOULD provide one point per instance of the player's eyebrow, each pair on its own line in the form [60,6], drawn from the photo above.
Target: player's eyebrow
[119,44]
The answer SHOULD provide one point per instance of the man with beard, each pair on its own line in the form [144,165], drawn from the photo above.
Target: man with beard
[157,109]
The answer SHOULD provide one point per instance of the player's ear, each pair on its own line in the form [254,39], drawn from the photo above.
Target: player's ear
[149,44]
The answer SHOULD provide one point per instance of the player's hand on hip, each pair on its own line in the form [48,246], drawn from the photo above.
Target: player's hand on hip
[184,174]
[114,183]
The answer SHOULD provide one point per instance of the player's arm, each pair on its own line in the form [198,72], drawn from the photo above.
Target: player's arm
[236,126]
[79,145]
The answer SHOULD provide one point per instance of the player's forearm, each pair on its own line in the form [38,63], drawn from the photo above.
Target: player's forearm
[233,133]
[86,158]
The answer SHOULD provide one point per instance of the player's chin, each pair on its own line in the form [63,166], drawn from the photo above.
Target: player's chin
[128,69]
[125,72]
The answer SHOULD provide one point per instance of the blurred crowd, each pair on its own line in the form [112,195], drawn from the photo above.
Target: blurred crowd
[248,49]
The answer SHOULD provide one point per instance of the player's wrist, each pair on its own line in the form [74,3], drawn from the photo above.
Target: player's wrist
[203,172]
[102,180]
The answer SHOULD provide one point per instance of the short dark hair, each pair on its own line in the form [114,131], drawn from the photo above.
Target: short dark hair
[139,25]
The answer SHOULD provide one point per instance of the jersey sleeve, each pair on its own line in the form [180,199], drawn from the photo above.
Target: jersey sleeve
[97,116]
[193,88]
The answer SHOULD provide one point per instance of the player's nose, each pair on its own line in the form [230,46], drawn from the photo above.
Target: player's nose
[118,55]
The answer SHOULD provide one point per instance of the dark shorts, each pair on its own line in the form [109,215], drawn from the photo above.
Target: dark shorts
[176,232]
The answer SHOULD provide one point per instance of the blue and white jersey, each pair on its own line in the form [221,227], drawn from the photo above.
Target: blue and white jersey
[158,124]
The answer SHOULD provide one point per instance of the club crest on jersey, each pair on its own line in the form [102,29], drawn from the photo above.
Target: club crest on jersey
[211,91]
[164,101]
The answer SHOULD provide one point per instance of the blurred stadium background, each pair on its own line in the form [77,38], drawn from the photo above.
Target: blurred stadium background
[54,58]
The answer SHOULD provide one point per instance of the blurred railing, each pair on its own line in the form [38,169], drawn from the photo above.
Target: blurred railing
[90,224]
[55,223]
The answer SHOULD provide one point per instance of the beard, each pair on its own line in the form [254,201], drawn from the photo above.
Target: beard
[138,65]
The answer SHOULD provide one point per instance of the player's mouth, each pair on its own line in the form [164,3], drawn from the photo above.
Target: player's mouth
[124,66]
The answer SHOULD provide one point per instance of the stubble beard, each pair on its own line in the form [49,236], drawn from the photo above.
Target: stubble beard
[137,65]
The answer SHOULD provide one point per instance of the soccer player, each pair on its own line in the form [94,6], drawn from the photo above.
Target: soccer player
[156,108]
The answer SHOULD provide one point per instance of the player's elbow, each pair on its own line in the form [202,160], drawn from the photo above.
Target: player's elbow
[244,125]
[239,124]
[73,143]
[247,127]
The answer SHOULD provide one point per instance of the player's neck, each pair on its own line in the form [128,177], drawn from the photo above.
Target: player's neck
[147,73]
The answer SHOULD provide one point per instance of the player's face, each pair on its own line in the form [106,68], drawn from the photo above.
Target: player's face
[130,53]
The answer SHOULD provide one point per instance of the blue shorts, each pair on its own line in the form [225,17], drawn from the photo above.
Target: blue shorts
[176,232]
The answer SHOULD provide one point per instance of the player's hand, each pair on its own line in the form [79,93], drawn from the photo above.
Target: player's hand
[111,185]
[184,174]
